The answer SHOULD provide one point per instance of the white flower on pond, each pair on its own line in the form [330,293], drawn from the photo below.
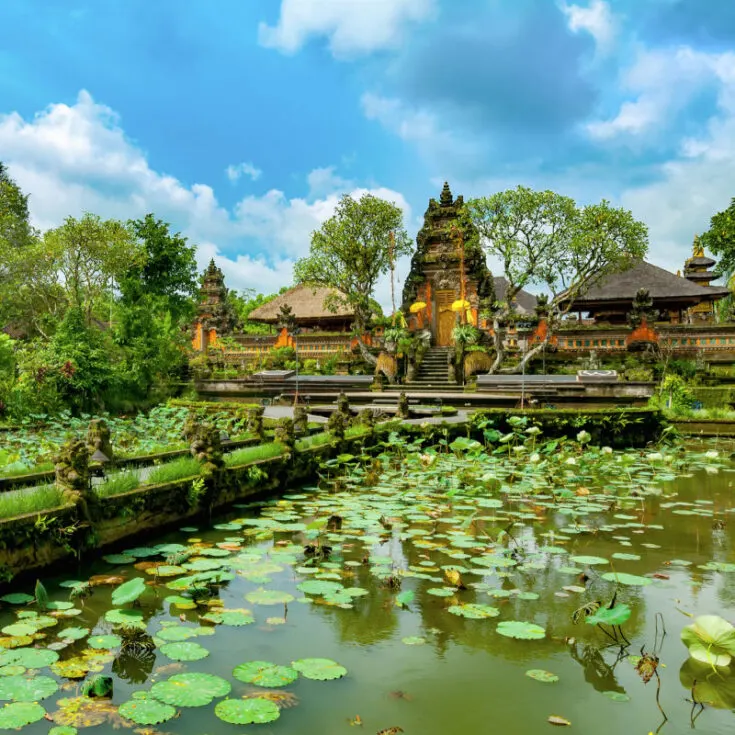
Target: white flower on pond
[570,460]
[712,454]
[535,458]
[427,459]
[533,430]
[654,457]
[607,450]
[583,437]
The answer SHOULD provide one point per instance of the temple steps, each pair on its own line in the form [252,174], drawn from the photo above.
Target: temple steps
[433,373]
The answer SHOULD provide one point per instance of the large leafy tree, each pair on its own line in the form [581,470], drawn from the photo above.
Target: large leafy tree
[166,269]
[15,227]
[720,239]
[543,239]
[350,252]
[92,255]
[247,301]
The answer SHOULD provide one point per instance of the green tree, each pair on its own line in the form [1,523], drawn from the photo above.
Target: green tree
[248,301]
[350,252]
[543,239]
[15,227]
[720,240]
[167,267]
[92,255]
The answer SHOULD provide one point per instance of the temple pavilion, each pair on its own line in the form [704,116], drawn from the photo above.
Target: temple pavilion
[677,298]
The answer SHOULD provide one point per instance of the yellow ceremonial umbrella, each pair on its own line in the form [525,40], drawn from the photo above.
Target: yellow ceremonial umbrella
[460,305]
[416,307]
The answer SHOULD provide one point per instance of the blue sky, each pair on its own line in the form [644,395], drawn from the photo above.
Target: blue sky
[242,121]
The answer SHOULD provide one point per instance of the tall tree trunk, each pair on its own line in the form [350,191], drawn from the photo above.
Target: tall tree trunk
[498,335]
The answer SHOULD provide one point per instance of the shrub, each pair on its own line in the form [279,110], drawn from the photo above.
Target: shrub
[117,484]
[253,454]
[29,500]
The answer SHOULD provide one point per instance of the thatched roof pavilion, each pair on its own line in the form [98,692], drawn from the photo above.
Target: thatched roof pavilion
[309,310]
[675,296]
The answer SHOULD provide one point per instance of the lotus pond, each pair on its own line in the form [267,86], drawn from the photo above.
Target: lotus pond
[450,590]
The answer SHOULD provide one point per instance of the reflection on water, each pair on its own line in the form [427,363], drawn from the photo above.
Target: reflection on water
[416,665]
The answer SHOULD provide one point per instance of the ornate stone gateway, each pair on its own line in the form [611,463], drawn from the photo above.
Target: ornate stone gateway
[448,266]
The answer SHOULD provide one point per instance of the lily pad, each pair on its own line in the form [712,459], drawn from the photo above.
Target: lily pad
[184,651]
[541,675]
[247,711]
[31,658]
[119,559]
[125,617]
[17,598]
[265,674]
[63,730]
[146,710]
[74,634]
[319,587]
[521,630]
[589,560]
[190,689]
[128,591]
[269,597]
[474,611]
[413,640]
[320,669]
[235,618]
[18,714]
[104,641]
[631,580]
[26,689]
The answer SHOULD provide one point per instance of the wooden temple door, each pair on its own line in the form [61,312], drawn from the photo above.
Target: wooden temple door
[445,317]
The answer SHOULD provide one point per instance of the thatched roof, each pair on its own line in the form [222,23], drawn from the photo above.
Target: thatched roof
[307,303]
[660,283]
[526,301]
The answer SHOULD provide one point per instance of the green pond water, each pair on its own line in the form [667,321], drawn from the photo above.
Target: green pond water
[511,525]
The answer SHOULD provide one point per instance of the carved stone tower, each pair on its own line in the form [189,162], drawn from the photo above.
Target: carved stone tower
[448,263]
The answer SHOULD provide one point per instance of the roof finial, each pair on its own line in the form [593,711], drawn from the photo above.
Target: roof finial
[446,196]
[697,248]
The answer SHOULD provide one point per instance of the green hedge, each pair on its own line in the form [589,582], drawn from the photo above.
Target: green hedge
[625,427]
[713,397]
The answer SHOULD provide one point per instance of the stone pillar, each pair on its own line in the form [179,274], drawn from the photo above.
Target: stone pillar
[285,433]
[366,418]
[300,420]
[403,410]
[206,448]
[71,466]
[337,425]
[343,405]
[255,421]
[98,438]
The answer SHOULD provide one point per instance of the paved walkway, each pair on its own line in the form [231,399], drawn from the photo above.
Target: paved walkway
[286,412]
[460,418]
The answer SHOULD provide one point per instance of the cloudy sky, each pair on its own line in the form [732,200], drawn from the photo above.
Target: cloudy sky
[242,121]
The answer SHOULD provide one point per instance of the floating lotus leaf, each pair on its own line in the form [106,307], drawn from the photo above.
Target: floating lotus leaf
[520,629]
[414,640]
[15,641]
[183,603]
[59,605]
[184,651]
[474,611]
[320,669]
[31,658]
[142,552]
[610,616]
[247,711]
[125,617]
[104,641]
[269,597]
[275,621]
[74,634]
[16,629]
[12,670]
[43,621]
[527,596]
[63,730]
[626,557]
[616,696]
[83,711]
[176,633]
[319,587]
[631,580]
[710,640]
[441,591]
[355,591]
[26,689]
[17,598]
[166,570]
[190,689]
[19,714]
[221,553]
[265,674]
[119,559]
[541,675]
[146,710]
[230,617]
[405,598]
[589,560]
[128,591]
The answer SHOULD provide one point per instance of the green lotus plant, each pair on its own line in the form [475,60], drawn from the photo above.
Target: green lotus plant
[710,639]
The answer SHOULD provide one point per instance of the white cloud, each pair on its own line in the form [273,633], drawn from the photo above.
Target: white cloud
[663,81]
[236,171]
[596,19]
[76,158]
[353,27]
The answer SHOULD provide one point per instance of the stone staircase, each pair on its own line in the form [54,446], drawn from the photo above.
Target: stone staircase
[433,373]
